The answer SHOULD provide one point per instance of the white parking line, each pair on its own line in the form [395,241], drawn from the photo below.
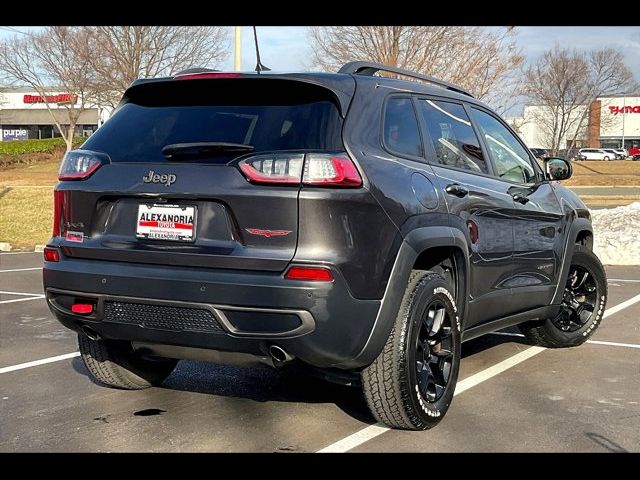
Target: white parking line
[621,306]
[595,342]
[622,280]
[20,269]
[372,431]
[18,253]
[20,293]
[37,297]
[35,363]
[613,344]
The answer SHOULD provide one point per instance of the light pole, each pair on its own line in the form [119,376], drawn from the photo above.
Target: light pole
[624,104]
[237,64]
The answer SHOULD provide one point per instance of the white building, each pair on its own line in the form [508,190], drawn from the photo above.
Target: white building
[23,115]
[608,121]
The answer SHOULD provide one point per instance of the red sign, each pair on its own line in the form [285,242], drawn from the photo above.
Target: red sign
[629,109]
[60,98]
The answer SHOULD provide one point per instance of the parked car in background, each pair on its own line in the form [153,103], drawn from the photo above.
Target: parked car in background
[595,154]
[539,153]
[634,153]
[615,155]
[622,152]
[569,154]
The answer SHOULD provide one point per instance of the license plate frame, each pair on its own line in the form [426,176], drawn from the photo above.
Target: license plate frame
[163,230]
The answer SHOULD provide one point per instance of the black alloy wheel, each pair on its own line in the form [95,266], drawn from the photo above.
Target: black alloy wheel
[579,300]
[434,347]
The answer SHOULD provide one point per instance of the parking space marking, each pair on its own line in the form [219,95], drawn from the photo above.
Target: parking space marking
[621,306]
[372,431]
[20,269]
[622,280]
[595,342]
[35,363]
[35,297]
[20,293]
[613,344]
[17,253]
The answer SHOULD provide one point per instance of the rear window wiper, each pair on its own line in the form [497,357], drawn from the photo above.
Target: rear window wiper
[177,151]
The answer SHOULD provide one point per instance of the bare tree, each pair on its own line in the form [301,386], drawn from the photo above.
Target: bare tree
[127,53]
[51,61]
[564,82]
[484,61]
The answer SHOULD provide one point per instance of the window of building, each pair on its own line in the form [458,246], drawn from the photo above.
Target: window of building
[511,160]
[401,133]
[453,138]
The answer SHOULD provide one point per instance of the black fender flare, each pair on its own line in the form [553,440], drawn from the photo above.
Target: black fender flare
[416,242]
[579,224]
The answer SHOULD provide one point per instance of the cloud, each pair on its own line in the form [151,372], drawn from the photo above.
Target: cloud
[535,40]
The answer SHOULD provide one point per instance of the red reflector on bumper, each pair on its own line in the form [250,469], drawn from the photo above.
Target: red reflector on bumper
[310,274]
[51,254]
[82,308]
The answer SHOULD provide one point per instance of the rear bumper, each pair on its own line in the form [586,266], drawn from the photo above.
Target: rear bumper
[320,323]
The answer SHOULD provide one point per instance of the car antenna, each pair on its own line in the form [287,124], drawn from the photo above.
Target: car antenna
[259,66]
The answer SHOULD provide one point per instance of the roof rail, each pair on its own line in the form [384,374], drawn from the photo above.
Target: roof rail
[370,68]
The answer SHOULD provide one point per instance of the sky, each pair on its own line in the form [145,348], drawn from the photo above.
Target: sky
[287,48]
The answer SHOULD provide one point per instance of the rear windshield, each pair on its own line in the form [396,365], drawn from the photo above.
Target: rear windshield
[271,121]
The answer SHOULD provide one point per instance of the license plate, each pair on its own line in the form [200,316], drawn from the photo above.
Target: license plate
[166,222]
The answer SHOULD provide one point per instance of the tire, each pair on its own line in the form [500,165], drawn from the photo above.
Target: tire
[606,159]
[391,387]
[561,332]
[117,365]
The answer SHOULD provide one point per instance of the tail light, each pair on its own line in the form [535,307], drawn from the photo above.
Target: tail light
[309,274]
[82,308]
[58,197]
[331,171]
[318,169]
[279,168]
[81,164]
[51,254]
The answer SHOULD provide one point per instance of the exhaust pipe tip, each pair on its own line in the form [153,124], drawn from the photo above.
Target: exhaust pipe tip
[279,356]
[93,335]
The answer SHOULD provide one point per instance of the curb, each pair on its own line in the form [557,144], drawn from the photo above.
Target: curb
[6,247]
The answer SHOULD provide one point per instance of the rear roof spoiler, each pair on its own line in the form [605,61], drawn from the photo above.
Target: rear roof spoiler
[341,86]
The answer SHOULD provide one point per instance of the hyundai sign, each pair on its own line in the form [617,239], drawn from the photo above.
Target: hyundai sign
[9,134]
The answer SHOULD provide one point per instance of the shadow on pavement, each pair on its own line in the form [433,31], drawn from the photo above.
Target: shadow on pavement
[258,384]
[289,385]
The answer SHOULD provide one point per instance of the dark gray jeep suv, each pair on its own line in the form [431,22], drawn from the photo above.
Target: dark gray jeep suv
[359,225]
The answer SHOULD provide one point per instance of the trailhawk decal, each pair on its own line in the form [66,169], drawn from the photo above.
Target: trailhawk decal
[268,233]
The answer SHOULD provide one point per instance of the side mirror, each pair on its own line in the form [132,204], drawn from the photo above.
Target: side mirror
[557,168]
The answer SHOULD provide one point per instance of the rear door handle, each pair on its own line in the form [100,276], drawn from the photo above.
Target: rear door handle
[518,197]
[457,190]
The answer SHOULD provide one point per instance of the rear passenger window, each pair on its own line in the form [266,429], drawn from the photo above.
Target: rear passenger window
[401,134]
[453,138]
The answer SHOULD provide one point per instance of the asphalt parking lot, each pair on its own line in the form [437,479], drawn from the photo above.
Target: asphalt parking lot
[510,396]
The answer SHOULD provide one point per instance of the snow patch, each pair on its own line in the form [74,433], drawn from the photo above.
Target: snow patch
[615,233]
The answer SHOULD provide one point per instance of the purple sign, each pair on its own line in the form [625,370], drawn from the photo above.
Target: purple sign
[9,135]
